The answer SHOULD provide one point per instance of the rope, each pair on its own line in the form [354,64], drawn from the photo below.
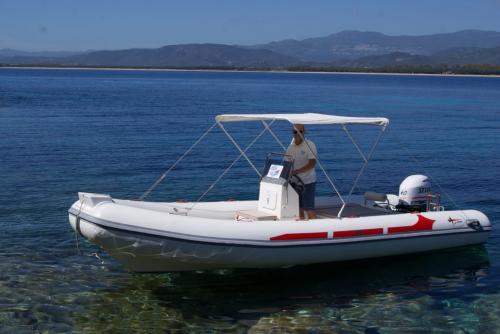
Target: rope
[158,181]
[77,227]
[96,255]
[78,252]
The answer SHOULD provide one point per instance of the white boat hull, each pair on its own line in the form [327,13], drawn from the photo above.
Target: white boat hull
[149,237]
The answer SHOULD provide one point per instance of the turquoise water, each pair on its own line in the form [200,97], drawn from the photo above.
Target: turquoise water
[64,131]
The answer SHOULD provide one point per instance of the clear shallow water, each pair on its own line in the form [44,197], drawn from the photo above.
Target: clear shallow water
[64,131]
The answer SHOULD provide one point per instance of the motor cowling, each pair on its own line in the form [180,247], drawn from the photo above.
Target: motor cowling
[414,193]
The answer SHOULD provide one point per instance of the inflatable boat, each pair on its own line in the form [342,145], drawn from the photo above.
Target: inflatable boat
[262,233]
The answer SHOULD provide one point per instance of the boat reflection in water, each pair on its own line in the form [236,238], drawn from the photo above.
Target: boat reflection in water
[399,293]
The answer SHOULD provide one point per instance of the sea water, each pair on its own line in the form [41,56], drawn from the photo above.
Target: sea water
[116,132]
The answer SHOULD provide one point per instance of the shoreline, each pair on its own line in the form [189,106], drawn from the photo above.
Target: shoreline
[247,71]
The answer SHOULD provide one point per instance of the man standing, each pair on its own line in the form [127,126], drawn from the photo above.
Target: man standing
[304,156]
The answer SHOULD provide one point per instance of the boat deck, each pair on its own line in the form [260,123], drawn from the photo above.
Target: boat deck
[325,209]
[351,210]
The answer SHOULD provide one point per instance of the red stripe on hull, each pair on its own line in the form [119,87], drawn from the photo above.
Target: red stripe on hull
[301,236]
[358,233]
[422,224]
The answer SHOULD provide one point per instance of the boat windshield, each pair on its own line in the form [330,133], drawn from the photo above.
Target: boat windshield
[278,165]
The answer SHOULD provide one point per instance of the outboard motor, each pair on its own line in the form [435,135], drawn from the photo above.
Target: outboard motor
[414,193]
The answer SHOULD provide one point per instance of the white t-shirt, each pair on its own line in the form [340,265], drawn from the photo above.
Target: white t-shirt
[301,155]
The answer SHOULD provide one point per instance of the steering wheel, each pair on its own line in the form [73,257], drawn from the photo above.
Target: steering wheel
[297,184]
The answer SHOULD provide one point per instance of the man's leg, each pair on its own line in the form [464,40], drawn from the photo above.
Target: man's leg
[301,207]
[308,200]
[311,214]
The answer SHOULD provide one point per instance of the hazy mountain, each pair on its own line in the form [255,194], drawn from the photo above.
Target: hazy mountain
[391,59]
[354,44]
[184,55]
[452,56]
[27,60]
[19,53]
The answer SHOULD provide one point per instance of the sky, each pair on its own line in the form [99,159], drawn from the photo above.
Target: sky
[51,25]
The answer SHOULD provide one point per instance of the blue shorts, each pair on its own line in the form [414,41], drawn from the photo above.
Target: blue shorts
[306,199]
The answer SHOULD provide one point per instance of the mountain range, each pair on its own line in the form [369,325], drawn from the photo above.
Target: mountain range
[452,56]
[354,44]
[345,49]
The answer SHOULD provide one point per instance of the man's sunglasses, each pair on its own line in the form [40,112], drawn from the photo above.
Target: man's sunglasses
[295,132]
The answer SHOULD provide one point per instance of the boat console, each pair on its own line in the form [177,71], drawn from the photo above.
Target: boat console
[277,197]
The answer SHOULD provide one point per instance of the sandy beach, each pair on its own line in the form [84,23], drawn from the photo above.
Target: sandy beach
[248,71]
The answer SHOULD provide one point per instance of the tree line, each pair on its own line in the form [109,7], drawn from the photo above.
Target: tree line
[400,69]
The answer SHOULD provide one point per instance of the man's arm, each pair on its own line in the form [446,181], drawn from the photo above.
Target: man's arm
[310,165]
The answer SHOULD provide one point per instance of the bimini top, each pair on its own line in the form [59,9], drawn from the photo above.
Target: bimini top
[308,118]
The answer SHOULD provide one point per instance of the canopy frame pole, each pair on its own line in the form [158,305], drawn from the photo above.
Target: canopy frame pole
[239,148]
[268,127]
[324,172]
[229,167]
[360,151]
[160,179]
[366,161]
[354,143]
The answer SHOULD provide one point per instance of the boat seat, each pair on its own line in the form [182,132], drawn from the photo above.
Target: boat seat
[373,196]
[254,215]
